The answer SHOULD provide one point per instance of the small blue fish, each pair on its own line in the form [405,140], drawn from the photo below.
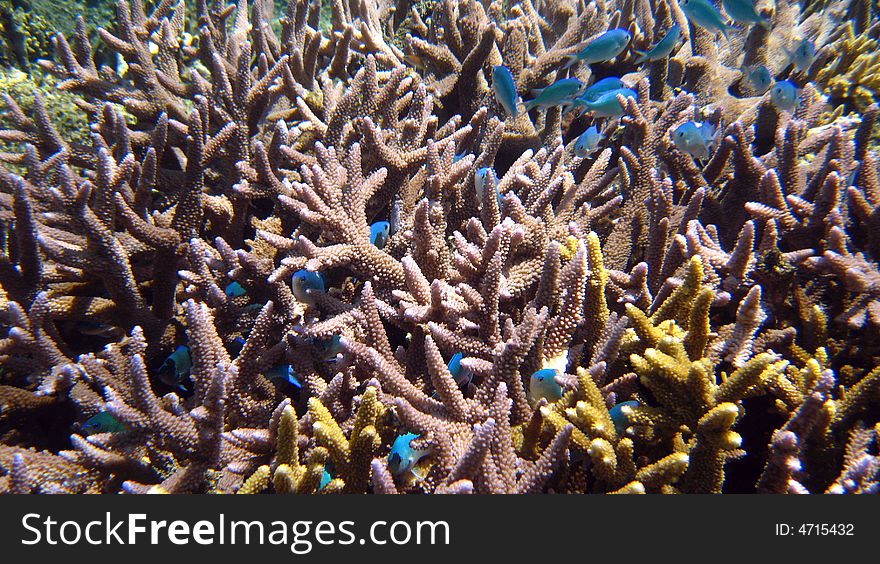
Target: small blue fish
[604,48]
[588,142]
[596,90]
[606,105]
[543,384]
[379,233]
[305,283]
[743,11]
[852,177]
[330,347]
[705,15]
[694,139]
[458,156]
[480,184]
[504,88]
[663,48]
[607,84]
[803,55]
[759,77]
[326,477]
[103,422]
[235,346]
[784,95]
[233,290]
[394,217]
[285,373]
[462,375]
[176,367]
[617,416]
[559,93]
[403,456]
[255,308]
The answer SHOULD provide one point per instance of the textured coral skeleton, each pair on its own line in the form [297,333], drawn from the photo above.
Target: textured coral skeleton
[712,324]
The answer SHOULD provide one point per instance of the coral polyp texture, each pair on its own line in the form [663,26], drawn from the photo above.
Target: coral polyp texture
[447,247]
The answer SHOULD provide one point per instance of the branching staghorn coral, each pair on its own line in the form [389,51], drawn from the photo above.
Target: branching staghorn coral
[708,325]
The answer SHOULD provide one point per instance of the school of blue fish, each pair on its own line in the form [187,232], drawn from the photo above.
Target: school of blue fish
[604,97]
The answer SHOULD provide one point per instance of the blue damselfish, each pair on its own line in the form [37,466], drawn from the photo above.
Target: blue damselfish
[803,54]
[379,233]
[607,84]
[305,283]
[542,384]
[694,139]
[784,95]
[462,375]
[603,48]
[480,183]
[285,373]
[233,290]
[760,78]
[705,15]
[330,347]
[236,345]
[607,104]
[743,11]
[326,478]
[176,367]
[505,89]
[663,48]
[103,422]
[559,93]
[403,456]
[618,417]
[588,142]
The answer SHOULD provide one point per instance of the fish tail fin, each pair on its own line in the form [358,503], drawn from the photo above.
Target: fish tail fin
[571,59]
[642,56]
[530,105]
[709,132]
[766,24]
[713,131]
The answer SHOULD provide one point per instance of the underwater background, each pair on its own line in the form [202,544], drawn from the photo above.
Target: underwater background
[444,246]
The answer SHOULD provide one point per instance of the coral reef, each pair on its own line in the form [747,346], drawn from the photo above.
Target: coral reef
[61,106]
[199,295]
[27,26]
